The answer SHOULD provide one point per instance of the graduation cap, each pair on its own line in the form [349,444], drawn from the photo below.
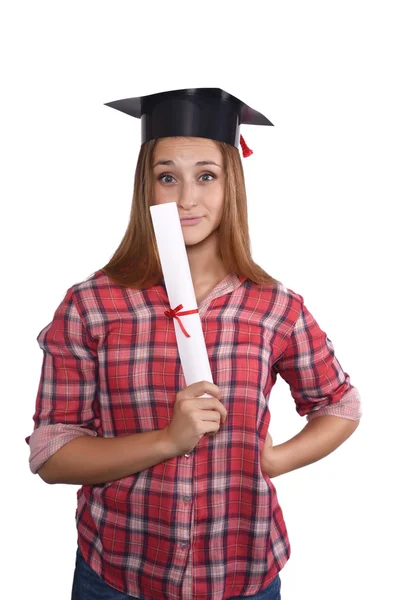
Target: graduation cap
[196,112]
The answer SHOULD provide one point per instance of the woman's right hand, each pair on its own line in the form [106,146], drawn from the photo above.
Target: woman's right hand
[193,416]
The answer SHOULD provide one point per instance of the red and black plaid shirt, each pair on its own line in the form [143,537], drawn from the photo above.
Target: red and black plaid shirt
[204,526]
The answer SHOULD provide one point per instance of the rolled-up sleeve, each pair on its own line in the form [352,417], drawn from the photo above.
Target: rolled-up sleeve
[66,398]
[316,379]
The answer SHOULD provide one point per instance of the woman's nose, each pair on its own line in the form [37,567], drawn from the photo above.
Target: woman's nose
[187,195]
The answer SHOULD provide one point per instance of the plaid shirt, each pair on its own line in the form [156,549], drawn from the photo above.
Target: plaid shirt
[207,525]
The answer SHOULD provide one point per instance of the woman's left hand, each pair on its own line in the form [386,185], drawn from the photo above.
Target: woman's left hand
[266,457]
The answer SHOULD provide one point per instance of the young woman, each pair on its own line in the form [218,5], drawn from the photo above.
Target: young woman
[176,498]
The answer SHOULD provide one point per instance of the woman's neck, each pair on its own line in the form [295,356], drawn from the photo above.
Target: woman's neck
[205,263]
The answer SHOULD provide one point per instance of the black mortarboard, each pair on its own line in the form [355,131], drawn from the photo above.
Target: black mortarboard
[197,112]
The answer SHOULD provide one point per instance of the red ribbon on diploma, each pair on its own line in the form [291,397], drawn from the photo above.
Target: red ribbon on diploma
[174,313]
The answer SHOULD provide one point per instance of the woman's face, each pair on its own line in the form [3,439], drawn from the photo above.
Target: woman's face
[192,175]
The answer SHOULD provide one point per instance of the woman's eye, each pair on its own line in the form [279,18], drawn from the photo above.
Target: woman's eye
[208,175]
[161,177]
[165,176]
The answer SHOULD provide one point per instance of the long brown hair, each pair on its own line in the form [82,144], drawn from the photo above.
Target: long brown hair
[136,264]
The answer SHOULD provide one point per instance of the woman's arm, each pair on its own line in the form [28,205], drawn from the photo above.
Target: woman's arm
[320,437]
[96,460]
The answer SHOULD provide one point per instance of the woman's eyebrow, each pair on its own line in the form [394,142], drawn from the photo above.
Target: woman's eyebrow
[199,163]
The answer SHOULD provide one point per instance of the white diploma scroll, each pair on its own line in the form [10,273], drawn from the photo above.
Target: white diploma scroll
[179,285]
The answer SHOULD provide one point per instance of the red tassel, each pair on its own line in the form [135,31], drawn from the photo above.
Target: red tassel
[245,149]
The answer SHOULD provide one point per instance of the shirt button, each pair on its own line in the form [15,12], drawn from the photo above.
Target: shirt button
[186,499]
[183,545]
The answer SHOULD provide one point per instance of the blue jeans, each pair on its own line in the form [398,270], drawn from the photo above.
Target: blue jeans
[88,585]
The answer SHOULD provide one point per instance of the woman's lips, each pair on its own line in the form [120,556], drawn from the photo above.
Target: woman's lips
[191,221]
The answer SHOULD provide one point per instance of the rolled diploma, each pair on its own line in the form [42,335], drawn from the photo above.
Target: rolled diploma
[179,285]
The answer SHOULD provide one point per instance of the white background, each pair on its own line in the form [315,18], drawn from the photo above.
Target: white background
[322,186]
